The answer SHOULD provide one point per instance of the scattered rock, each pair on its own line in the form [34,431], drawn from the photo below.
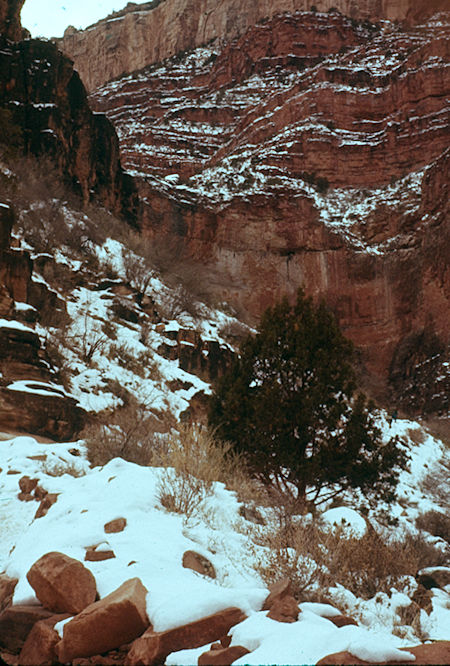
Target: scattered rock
[47,501]
[25,497]
[223,656]
[16,623]
[434,577]
[251,514]
[106,624]
[199,563]
[7,586]
[342,620]
[61,583]
[431,653]
[93,555]
[27,485]
[278,590]
[40,493]
[153,647]
[117,525]
[39,647]
[284,610]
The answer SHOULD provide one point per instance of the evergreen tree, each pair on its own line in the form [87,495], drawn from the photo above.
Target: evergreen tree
[288,404]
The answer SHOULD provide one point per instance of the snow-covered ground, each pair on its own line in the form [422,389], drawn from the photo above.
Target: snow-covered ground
[152,544]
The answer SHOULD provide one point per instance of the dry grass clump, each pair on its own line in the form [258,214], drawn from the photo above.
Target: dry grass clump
[312,556]
[194,460]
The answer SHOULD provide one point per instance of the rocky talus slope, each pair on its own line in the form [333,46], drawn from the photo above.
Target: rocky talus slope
[162,28]
[312,150]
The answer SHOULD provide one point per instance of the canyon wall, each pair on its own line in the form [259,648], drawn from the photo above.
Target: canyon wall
[132,39]
[313,151]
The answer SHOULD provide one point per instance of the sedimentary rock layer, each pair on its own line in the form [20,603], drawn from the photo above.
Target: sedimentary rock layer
[146,33]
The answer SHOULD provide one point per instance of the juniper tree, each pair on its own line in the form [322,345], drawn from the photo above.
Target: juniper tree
[289,404]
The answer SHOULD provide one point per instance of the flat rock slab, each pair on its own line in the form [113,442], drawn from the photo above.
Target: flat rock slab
[107,624]
[198,563]
[223,656]
[16,622]
[62,584]
[153,647]
[342,620]
[39,648]
[116,525]
[437,653]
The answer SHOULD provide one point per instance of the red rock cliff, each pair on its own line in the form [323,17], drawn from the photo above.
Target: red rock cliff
[311,150]
[143,34]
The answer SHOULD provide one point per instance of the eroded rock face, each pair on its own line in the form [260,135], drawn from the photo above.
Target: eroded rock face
[62,584]
[141,35]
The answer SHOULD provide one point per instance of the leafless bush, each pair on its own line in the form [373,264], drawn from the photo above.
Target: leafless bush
[127,433]
[310,554]
[137,272]
[194,460]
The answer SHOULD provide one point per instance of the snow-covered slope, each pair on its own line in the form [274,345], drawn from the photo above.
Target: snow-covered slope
[152,544]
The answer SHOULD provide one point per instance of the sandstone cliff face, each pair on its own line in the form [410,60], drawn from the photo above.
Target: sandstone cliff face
[308,151]
[130,40]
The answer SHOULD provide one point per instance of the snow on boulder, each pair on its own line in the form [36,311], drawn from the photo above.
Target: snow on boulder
[432,653]
[198,563]
[434,577]
[61,583]
[153,647]
[220,656]
[105,625]
[352,523]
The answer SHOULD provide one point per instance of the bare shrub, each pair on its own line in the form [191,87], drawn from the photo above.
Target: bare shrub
[436,482]
[435,523]
[194,460]
[137,272]
[181,492]
[235,332]
[126,433]
[310,555]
